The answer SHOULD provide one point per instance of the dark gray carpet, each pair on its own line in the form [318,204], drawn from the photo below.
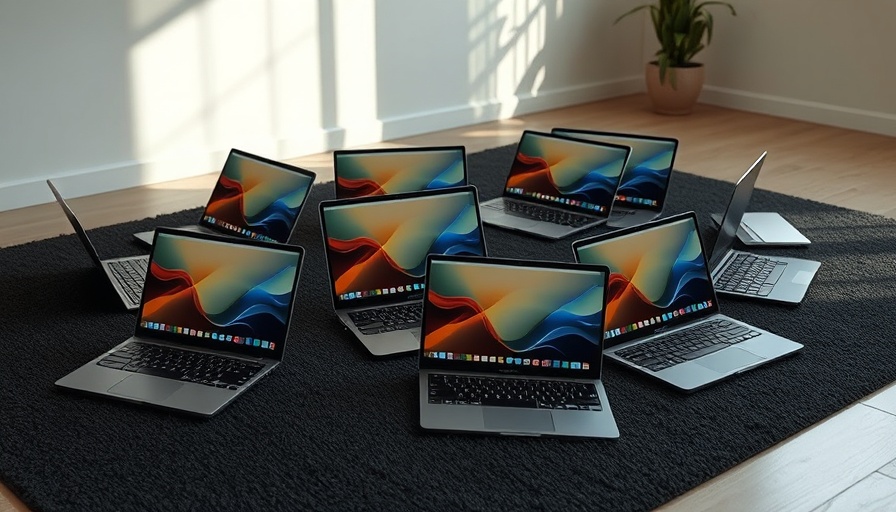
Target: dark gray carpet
[334,429]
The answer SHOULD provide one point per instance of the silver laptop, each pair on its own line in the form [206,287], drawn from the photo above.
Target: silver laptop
[125,274]
[642,192]
[254,197]
[376,250]
[663,316]
[213,320]
[370,172]
[557,185]
[746,274]
[514,347]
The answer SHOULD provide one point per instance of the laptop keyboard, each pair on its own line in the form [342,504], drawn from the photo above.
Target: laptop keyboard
[750,274]
[388,318]
[544,214]
[131,275]
[185,365]
[686,344]
[510,392]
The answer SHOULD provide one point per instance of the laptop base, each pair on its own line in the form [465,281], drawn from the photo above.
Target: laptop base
[493,213]
[387,343]
[627,217]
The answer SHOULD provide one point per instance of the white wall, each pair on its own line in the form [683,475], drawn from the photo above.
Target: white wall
[107,94]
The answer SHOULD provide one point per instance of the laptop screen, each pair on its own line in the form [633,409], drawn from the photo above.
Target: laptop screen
[734,213]
[257,198]
[374,172]
[658,276]
[572,174]
[209,292]
[376,247]
[648,171]
[514,317]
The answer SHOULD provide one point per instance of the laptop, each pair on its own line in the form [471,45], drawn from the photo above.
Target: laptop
[746,274]
[125,274]
[370,172]
[514,347]
[642,192]
[663,317]
[557,186]
[376,250]
[213,320]
[254,197]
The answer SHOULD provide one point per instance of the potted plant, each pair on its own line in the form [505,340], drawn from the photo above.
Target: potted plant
[673,80]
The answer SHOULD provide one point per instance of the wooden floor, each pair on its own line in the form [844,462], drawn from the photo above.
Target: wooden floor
[846,462]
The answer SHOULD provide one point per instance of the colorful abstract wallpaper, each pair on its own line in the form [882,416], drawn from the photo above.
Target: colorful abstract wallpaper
[500,310]
[652,272]
[260,197]
[573,170]
[219,287]
[390,172]
[385,243]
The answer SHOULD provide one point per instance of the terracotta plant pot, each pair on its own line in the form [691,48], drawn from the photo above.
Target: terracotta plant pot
[678,100]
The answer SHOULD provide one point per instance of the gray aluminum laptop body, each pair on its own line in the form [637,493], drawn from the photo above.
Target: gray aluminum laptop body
[129,295]
[376,248]
[269,271]
[758,229]
[542,320]
[659,286]
[559,177]
[791,277]
[644,187]
[364,172]
[272,193]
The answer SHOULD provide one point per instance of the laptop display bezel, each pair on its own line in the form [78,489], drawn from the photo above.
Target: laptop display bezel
[397,297]
[734,213]
[593,373]
[650,330]
[267,161]
[555,204]
[195,342]
[585,134]
[341,191]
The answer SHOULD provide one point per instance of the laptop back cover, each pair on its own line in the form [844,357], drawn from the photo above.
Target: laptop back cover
[257,198]
[366,172]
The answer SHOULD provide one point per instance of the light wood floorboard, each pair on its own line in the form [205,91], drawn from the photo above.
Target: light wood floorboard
[832,464]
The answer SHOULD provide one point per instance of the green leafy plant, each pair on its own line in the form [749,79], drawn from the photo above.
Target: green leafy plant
[680,27]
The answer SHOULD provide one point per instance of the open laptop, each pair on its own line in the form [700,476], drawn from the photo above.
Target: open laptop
[514,347]
[376,250]
[746,274]
[125,274]
[642,192]
[557,185]
[663,317]
[370,172]
[254,197]
[213,320]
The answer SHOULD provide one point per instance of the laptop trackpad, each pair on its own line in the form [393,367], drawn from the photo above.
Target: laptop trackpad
[729,360]
[507,419]
[146,388]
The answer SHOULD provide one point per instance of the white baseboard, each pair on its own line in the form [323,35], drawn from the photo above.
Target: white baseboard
[791,108]
[121,175]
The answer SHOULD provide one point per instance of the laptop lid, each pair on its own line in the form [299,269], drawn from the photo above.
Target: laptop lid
[648,171]
[490,315]
[376,246]
[258,198]
[658,276]
[368,172]
[76,225]
[734,212]
[227,294]
[572,174]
